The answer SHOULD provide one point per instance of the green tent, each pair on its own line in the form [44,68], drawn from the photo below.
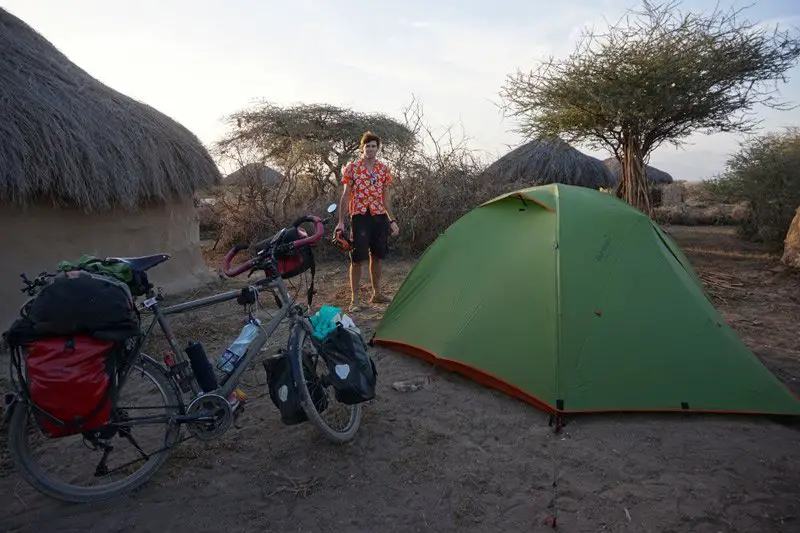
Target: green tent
[574,301]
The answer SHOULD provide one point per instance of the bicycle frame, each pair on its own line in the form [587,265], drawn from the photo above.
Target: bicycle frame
[288,308]
[180,372]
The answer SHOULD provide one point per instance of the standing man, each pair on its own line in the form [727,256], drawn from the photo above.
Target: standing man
[367,197]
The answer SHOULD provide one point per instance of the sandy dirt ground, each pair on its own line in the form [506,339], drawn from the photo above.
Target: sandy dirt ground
[455,456]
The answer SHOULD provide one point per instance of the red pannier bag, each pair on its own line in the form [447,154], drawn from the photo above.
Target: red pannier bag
[70,383]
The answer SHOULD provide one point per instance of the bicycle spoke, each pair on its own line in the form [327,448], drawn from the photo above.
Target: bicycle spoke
[127,436]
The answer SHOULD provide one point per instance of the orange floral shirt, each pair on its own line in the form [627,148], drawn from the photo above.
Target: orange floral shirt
[366,188]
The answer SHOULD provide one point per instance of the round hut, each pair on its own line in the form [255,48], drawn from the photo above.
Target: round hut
[87,170]
[541,161]
[653,175]
[253,173]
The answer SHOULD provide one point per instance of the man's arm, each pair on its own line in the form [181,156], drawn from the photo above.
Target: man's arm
[344,204]
[387,203]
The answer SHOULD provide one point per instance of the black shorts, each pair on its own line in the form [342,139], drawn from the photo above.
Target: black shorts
[370,236]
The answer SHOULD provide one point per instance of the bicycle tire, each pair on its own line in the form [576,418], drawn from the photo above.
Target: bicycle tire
[32,474]
[296,338]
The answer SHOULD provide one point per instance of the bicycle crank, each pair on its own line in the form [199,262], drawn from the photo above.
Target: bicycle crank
[211,416]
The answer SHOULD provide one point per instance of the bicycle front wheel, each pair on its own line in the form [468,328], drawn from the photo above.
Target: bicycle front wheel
[337,421]
[80,470]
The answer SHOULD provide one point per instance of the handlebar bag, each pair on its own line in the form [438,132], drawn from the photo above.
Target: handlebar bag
[294,262]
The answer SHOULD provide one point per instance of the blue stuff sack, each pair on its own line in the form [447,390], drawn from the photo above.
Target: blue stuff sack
[324,321]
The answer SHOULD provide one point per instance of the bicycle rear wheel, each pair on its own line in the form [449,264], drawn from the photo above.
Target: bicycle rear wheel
[340,421]
[46,465]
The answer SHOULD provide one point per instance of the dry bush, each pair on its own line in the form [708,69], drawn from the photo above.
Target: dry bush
[208,218]
[437,184]
[764,175]
[253,208]
[673,194]
[692,215]
[740,212]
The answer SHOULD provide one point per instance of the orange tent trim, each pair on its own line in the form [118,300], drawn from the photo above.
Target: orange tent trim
[489,380]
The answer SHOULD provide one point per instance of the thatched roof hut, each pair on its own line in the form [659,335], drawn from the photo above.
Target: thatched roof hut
[548,161]
[653,174]
[89,170]
[253,172]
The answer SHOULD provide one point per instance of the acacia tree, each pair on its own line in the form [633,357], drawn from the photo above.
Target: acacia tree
[656,76]
[317,140]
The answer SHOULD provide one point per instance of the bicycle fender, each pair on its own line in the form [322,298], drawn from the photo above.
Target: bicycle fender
[295,359]
[163,368]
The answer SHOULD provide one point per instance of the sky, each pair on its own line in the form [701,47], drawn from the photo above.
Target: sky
[198,61]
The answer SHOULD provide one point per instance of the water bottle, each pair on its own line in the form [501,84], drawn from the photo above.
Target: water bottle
[236,350]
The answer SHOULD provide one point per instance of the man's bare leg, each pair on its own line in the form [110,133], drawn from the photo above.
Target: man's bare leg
[355,285]
[375,272]
[375,275]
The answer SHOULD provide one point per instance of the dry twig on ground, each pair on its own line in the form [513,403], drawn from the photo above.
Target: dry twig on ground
[299,488]
[721,286]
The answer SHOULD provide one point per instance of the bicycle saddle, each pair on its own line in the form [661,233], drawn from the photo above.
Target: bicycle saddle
[142,263]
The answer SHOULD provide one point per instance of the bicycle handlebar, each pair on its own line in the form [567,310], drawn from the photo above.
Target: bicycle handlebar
[319,231]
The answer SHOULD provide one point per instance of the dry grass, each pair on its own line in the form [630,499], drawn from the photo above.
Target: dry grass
[72,140]
[673,194]
[731,254]
[295,487]
[701,214]
[722,287]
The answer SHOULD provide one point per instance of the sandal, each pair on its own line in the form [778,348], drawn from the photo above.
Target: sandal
[380,299]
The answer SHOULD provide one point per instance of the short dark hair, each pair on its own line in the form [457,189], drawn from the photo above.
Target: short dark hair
[369,137]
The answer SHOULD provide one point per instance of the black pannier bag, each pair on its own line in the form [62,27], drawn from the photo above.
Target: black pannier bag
[352,370]
[82,302]
[286,396]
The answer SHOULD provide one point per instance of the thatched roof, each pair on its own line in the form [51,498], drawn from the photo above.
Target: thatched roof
[653,174]
[540,162]
[253,172]
[67,138]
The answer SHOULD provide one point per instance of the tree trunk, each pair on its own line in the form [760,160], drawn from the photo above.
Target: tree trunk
[633,184]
